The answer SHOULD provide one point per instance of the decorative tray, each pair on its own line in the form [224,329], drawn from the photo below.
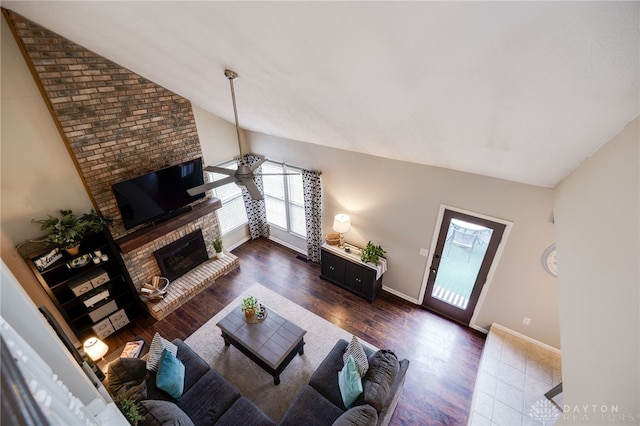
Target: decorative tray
[81,261]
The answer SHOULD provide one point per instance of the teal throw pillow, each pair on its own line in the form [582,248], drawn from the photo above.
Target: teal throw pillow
[349,382]
[170,376]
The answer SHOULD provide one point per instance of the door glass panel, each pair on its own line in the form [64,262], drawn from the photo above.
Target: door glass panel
[462,257]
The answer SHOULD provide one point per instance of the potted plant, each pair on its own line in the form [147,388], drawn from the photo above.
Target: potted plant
[372,253]
[250,306]
[130,410]
[217,245]
[69,229]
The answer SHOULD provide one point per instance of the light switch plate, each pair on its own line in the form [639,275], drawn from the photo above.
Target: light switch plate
[424,252]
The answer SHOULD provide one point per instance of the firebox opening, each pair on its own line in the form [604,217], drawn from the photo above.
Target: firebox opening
[182,255]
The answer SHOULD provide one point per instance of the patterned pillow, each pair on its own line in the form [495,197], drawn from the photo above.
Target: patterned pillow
[158,344]
[360,357]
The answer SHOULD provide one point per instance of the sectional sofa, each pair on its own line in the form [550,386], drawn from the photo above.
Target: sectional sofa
[209,399]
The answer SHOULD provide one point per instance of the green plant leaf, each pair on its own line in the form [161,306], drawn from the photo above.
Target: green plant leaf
[68,229]
[372,253]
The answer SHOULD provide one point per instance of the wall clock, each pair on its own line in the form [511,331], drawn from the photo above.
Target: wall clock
[550,260]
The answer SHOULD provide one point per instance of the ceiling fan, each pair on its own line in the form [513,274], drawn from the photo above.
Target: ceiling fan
[244,175]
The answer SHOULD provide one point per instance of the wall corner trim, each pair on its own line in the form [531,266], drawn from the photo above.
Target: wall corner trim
[527,338]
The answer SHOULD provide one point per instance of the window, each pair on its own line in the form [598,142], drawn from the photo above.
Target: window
[284,198]
[232,213]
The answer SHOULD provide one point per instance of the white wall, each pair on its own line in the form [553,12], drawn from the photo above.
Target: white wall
[217,137]
[598,228]
[396,204]
[219,143]
[37,176]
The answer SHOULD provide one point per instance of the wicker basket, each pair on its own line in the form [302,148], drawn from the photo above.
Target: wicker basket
[333,239]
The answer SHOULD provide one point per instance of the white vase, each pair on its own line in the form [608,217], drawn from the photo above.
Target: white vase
[219,255]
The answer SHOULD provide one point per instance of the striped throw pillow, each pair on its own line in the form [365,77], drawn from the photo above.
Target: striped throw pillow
[359,356]
[158,344]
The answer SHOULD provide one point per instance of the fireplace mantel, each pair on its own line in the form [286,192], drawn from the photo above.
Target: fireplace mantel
[143,236]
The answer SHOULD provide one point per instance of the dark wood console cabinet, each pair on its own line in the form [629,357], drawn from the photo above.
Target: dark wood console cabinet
[73,286]
[347,271]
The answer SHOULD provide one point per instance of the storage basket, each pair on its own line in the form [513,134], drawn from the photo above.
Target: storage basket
[155,291]
[333,239]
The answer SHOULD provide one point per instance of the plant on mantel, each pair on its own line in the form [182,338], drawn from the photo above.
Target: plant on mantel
[68,230]
[217,246]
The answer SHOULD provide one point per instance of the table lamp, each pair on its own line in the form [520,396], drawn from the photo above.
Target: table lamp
[341,224]
[95,348]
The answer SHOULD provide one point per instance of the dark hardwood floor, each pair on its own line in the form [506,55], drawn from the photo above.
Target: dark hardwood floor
[444,355]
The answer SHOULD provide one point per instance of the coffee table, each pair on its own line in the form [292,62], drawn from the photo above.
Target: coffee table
[271,343]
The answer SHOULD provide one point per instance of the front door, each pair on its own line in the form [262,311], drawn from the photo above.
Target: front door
[462,258]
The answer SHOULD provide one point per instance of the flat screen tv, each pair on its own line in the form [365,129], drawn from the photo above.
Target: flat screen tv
[157,195]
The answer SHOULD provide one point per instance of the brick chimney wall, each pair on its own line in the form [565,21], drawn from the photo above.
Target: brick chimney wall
[116,125]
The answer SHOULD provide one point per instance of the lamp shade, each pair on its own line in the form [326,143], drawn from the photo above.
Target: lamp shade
[342,223]
[95,348]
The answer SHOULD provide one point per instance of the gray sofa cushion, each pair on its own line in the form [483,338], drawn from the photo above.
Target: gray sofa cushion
[325,378]
[310,408]
[325,382]
[382,373]
[363,415]
[244,412]
[160,413]
[195,367]
[126,379]
[208,399]
[123,370]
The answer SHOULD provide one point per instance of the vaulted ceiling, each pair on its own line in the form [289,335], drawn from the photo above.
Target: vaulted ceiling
[523,91]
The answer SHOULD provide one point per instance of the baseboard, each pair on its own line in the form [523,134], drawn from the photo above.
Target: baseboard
[275,240]
[239,243]
[400,295]
[527,338]
[478,328]
[287,245]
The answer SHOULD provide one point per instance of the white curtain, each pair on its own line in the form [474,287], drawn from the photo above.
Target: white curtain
[58,405]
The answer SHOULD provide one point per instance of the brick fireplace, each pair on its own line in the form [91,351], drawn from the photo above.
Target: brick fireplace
[116,125]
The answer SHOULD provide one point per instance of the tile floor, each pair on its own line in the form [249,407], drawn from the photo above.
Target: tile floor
[514,375]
